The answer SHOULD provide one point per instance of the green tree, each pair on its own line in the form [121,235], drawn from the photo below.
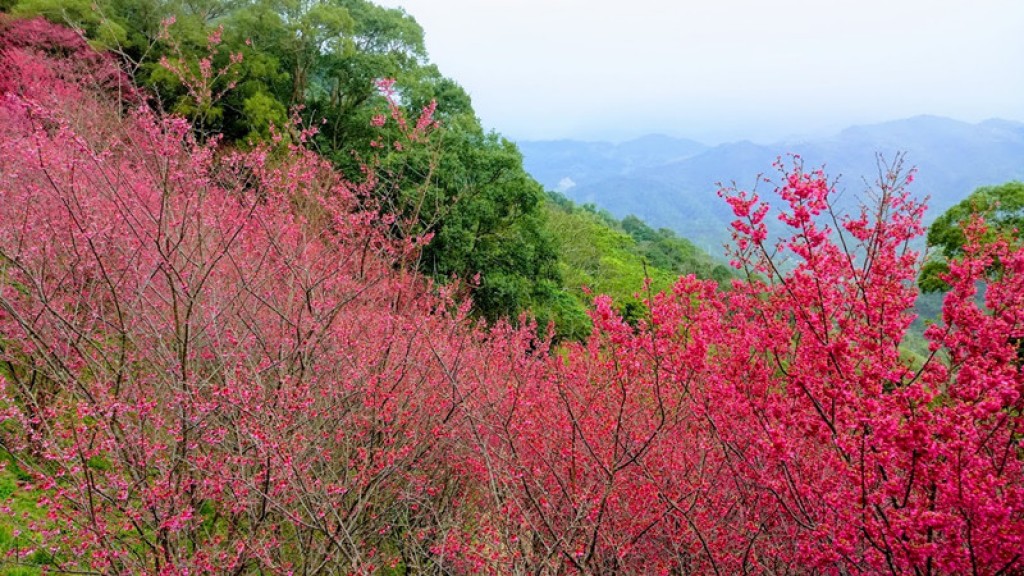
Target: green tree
[1003,209]
[469,190]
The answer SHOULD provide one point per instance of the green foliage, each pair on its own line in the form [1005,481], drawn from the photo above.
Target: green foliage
[1003,210]
[930,279]
[611,257]
[261,111]
[564,308]
[664,249]
[494,226]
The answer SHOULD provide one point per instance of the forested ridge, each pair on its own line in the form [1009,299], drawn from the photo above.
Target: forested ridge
[273,301]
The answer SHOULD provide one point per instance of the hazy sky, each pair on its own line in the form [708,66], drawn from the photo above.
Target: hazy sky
[719,70]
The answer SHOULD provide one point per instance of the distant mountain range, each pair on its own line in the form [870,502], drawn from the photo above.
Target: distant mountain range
[671,182]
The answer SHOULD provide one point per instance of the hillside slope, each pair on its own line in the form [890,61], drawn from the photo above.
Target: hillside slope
[953,158]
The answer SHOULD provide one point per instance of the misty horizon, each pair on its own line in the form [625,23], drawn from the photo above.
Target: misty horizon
[724,71]
[823,133]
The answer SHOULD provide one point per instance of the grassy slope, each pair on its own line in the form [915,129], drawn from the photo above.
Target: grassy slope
[16,543]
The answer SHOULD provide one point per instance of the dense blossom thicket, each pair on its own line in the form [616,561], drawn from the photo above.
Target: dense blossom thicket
[212,361]
[215,361]
[776,428]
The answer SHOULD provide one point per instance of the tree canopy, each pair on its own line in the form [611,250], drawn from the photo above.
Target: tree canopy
[1002,208]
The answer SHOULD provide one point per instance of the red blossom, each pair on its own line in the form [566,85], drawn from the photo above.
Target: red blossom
[218,361]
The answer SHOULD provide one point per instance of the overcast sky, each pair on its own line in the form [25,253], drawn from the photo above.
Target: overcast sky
[720,70]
